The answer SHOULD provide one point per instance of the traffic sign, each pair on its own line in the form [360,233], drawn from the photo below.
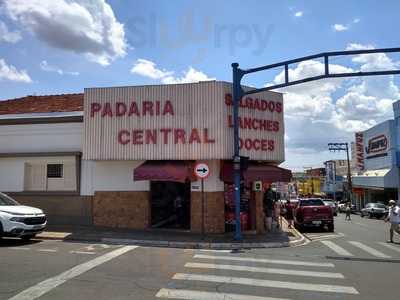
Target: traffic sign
[201,170]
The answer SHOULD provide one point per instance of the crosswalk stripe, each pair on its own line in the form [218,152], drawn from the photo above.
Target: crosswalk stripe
[201,295]
[262,260]
[390,246]
[369,249]
[268,283]
[264,270]
[336,248]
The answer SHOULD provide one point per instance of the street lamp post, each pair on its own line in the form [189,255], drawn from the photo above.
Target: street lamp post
[238,93]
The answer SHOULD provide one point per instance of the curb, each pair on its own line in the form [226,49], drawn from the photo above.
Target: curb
[195,245]
[300,240]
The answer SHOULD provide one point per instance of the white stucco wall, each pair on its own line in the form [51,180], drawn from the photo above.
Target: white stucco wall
[63,137]
[110,176]
[12,174]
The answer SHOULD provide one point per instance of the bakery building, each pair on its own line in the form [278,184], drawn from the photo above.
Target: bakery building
[377,162]
[125,156]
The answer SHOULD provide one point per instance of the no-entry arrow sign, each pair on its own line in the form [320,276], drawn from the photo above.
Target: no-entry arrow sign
[201,170]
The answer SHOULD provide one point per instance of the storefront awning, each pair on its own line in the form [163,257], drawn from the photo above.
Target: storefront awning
[161,170]
[257,172]
[382,178]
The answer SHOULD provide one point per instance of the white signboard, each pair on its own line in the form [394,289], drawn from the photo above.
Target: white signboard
[180,121]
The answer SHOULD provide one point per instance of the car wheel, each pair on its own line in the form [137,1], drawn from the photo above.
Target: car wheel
[370,216]
[361,215]
[27,237]
[331,227]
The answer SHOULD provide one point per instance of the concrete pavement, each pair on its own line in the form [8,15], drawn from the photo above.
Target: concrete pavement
[77,270]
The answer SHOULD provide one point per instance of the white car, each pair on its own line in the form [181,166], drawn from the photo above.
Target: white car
[18,220]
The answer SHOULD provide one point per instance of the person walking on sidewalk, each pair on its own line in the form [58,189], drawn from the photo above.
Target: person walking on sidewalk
[348,212]
[394,218]
[289,213]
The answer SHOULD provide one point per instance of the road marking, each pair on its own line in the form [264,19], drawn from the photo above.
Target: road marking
[47,250]
[270,261]
[268,283]
[94,246]
[390,246]
[369,249]
[18,248]
[82,252]
[200,295]
[47,285]
[264,270]
[216,251]
[339,250]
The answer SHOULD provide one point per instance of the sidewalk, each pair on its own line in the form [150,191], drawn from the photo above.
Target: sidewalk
[175,239]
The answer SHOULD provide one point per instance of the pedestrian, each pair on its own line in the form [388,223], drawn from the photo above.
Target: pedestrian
[394,218]
[289,213]
[348,212]
[268,205]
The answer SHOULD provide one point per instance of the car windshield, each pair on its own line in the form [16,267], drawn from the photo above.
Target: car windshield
[378,205]
[329,203]
[6,200]
[312,202]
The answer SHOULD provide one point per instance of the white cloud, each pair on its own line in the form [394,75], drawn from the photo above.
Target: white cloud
[356,20]
[50,68]
[9,72]
[149,69]
[85,26]
[298,14]
[339,27]
[8,36]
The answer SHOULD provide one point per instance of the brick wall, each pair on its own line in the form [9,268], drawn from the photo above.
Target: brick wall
[122,209]
[214,221]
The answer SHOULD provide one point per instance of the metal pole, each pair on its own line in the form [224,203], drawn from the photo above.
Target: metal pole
[334,181]
[202,207]
[350,184]
[236,95]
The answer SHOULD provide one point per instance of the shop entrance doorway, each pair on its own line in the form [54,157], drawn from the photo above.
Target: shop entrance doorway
[170,204]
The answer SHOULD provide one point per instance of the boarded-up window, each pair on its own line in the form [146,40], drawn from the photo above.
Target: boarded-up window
[35,177]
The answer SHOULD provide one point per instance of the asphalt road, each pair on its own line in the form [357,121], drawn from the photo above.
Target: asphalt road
[352,263]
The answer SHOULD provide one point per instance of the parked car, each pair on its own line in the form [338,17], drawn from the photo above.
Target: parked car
[19,220]
[333,205]
[313,212]
[377,210]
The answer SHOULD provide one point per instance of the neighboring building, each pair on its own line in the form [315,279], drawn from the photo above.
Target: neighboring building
[378,162]
[124,156]
[336,170]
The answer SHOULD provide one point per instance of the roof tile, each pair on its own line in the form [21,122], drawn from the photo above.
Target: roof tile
[42,104]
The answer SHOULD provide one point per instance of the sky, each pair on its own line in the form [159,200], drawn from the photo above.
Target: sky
[63,46]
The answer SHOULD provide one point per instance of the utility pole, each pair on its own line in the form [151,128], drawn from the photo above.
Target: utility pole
[344,147]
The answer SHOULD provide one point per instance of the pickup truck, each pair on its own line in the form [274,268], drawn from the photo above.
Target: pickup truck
[313,212]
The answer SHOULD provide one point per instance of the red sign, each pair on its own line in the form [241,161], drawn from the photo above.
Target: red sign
[360,151]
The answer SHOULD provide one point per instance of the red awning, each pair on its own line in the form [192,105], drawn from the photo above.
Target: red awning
[257,172]
[164,170]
